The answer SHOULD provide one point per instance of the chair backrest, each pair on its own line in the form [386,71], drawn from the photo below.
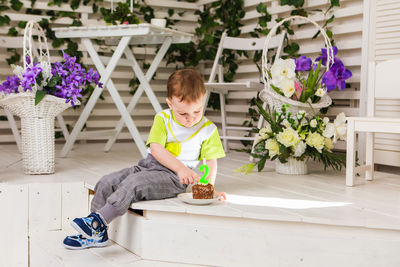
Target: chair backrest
[383,82]
[247,44]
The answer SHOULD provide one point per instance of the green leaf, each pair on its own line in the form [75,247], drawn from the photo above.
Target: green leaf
[291,49]
[246,168]
[3,8]
[261,8]
[295,3]
[58,42]
[261,164]
[14,58]
[16,5]
[335,3]
[12,32]
[329,33]
[330,20]
[53,81]
[4,20]
[75,4]
[39,96]
[22,24]
[315,77]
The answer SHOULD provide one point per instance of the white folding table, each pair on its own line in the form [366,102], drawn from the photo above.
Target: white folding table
[129,34]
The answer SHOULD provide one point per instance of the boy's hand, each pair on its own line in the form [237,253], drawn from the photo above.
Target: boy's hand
[222,195]
[187,176]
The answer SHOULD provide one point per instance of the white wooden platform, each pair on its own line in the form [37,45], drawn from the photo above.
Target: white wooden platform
[268,219]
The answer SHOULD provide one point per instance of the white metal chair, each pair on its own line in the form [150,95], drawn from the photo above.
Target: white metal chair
[383,83]
[223,88]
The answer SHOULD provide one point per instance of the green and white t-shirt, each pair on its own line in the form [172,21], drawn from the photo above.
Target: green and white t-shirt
[188,144]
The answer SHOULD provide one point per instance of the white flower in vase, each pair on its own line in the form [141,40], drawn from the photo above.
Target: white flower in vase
[272,146]
[286,123]
[287,87]
[329,130]
[300,114]
[264,132]
[313,123]
[288,137]
[299,149]
[340,127]
[17,70]
[325,120]
[328,144]
[283,69]
[320,92]
[316,140]
[46,66]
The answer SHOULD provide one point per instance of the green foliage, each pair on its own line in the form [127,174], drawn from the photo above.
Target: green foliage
[14,58]
[4,20]
[16,5]
[121,14]
[295,3]
[278,123]
[22,24]
[12,32]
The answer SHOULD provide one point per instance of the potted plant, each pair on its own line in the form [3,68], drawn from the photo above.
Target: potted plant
[38,93]
[300,82]
[293,138]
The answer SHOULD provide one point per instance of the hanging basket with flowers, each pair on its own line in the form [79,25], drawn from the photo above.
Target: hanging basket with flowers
[299,82]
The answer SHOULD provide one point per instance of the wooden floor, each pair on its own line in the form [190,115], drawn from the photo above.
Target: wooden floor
[320,197]
[47,250]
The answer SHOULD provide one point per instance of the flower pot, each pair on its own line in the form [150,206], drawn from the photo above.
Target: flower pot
[37,129]
[292,166]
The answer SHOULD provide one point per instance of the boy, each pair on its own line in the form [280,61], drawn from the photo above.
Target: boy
[179,138]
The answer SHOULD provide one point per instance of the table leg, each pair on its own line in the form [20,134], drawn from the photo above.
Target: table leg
[14,129]
[105,76]
[63,126]
[121,107]
[153,67]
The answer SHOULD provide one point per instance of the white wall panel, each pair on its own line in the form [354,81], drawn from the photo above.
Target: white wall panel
[105,114]
[347,29]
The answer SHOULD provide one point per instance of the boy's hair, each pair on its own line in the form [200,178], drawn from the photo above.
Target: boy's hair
[186,84]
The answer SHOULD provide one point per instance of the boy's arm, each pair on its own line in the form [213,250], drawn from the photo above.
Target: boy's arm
[212,164]
[186,175]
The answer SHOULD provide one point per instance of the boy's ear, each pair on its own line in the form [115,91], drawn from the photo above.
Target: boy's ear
[169,103]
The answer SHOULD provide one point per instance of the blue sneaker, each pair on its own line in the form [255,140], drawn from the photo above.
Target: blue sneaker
[81,242]
[85,227]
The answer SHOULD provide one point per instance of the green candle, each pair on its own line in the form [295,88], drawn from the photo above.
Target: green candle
[203,180]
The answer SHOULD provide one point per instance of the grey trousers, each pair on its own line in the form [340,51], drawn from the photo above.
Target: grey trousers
[148,180]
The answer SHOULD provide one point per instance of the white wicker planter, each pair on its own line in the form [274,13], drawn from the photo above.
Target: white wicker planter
[275,100]
[37,129]
[293,166]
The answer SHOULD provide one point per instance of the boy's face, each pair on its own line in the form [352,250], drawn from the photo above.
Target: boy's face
[187,114]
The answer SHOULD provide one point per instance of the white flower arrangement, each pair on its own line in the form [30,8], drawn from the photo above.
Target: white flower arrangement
[288,135]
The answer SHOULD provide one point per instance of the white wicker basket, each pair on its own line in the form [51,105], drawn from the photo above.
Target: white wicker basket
[275,100]
[37,122]
[37,129]
[293,166]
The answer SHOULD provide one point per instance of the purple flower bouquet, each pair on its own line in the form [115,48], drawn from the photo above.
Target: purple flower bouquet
[64,79]
[303,80]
